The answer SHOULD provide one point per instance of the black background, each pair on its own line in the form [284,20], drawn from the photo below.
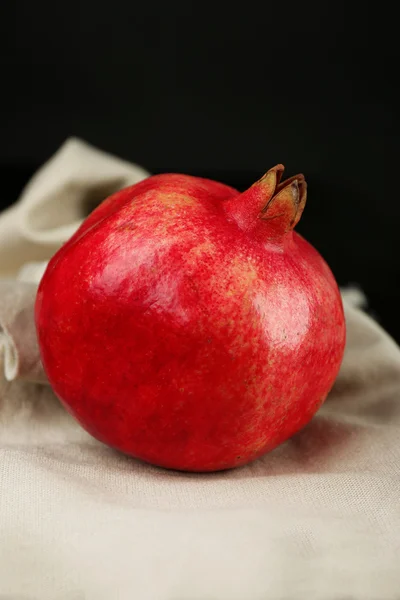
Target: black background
[223,94]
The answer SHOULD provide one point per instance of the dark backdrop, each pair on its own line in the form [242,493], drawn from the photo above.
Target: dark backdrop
[225,95]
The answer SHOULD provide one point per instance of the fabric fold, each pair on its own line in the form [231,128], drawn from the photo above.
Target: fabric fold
[18,340]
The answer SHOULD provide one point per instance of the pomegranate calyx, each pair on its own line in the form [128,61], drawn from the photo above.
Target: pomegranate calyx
[278,205]
[286,204]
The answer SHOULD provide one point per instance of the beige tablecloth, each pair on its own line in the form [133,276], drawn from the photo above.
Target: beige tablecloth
[317,518]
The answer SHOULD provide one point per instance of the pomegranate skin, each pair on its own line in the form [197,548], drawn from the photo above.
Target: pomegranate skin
[188,325]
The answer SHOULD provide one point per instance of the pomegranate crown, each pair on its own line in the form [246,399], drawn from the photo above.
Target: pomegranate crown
[277,203]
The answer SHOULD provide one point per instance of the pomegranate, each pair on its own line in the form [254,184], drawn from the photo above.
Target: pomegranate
[188,325]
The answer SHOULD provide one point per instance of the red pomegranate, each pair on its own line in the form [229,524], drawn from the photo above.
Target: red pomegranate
[186,323]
